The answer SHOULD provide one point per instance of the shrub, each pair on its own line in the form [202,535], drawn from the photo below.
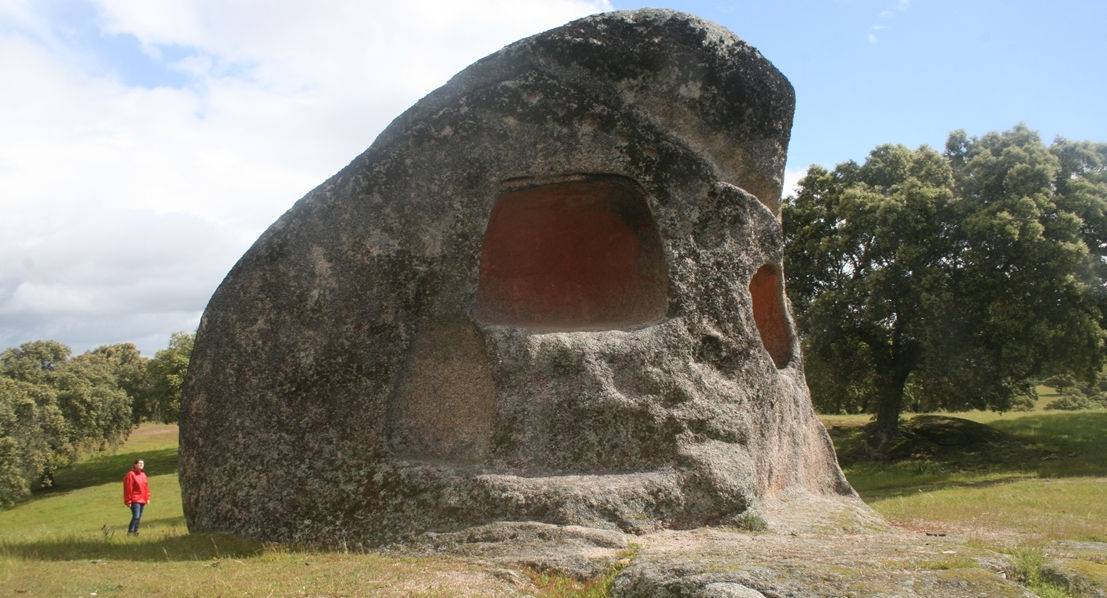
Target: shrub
[750,522]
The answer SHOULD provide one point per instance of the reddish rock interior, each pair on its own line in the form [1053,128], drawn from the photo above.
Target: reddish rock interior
[578,255]
[768,312]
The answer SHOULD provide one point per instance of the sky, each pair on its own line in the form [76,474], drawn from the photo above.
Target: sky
[144,145]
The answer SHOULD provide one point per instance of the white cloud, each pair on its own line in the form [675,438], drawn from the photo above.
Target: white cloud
[901,6]
[123,206]
[792,178]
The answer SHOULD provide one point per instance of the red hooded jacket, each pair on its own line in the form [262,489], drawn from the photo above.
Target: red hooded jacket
[135,488]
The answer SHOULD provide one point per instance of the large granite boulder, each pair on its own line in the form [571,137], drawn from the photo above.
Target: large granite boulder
[550,291]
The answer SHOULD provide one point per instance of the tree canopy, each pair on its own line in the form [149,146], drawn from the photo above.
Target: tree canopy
[166,377]
[949,280]
[54,407]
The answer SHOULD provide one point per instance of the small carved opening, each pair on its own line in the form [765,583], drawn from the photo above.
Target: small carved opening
[577,255]
[442,406]
[767,291]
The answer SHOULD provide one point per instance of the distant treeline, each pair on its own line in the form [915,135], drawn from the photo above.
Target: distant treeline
[54,407]
[1078,394]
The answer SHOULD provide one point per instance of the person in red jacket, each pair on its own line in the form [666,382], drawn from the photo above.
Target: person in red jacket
[136,493]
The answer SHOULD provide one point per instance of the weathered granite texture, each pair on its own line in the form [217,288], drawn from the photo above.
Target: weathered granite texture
[813,547]
[550,291]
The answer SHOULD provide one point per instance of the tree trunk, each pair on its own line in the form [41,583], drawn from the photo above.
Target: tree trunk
[890,402]
[892,379]
[889,405]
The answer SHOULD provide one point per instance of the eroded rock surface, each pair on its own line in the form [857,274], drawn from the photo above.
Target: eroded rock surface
[550,291]
[812,547]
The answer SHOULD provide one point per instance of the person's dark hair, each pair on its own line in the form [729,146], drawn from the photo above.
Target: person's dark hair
[136,461]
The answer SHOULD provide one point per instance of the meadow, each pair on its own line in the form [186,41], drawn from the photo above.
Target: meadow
[1043,478]
[1014,482]
[71,540]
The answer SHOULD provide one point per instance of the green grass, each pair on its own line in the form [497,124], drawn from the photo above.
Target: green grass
[1039,474]
[271,573]
[553,584]
[750,522]
[89,496]
[1010,482]
[1041,508]
[1045,475]
[71,540]
[1029,569]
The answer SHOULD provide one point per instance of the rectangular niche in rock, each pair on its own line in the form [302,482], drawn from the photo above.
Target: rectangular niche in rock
[576,255]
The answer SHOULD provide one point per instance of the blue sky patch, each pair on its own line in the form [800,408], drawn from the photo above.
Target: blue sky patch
[76,27]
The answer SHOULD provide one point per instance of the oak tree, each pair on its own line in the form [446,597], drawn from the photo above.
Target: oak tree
[949,280]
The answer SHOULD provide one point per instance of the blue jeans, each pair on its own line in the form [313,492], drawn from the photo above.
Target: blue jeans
[136,514]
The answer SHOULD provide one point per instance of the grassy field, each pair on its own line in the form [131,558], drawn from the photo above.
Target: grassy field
[1023,481]
[1042,477]
[71,540]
